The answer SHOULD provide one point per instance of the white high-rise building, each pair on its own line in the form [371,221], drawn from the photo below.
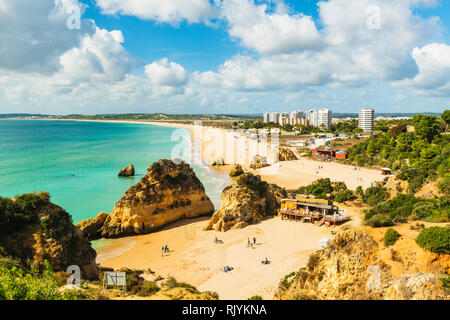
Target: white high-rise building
[324,118]
[321,117]
[367,119]
[296,117]
[266,117]
[312,117]
[274,117]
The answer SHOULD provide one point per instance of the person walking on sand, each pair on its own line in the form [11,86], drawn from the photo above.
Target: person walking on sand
[248,242]
[254,240]
[162,252]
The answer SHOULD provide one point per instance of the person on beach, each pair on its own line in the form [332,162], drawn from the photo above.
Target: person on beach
[248,242]
[162,252]
[254,240]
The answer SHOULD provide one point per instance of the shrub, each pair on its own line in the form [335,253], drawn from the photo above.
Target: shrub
[148,288]
[173,283]
[375,195]
[435,239]
[344,196]
[313,261]
[285,282]
[255,298]
[19,284]
[390,237]
[446,282]
[379,220]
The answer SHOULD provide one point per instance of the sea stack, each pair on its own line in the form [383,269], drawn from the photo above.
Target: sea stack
[169,192]
[236,171]
[127,171]
[246,202]
[286,154]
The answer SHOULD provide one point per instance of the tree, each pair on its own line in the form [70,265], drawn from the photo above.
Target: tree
[426,126]
[446,117]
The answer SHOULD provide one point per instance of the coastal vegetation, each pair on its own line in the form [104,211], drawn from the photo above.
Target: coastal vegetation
[406,207]
[418,152]
[16,283]
[435,239]
[324,188]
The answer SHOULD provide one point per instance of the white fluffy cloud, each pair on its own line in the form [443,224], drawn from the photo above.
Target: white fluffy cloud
[99,57]
[269,33]
[293,52]
[292,57]
[165,73]
[33,34]
[170,11]
[433,61]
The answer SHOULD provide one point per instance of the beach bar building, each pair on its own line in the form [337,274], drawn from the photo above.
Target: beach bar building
[310,209]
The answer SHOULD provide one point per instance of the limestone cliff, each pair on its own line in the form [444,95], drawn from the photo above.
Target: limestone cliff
[347,269]
[35,230]
[246,202]
[167,193]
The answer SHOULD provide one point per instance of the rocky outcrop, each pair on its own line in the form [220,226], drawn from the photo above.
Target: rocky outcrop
[351,268]
[246,202]
[169,192]
[236,170]
[127,171]
[417,286]
[258,162]
[286,155]
[47,234]
[218,162]
[91,228]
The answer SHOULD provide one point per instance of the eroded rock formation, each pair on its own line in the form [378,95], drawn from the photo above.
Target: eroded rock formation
[44,232]
[246,202]
[351,268]
[285,154]
[236,170]
[167,193]
[127,171]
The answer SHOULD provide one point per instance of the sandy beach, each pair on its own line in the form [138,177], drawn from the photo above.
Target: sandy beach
[196,259]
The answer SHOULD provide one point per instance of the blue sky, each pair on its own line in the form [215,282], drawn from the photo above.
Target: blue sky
[224,56]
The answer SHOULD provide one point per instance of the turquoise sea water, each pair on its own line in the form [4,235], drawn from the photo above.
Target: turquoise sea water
[78,162]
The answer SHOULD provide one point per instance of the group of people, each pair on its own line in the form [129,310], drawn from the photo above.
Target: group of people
[250,243]
[265,261]
[165,248]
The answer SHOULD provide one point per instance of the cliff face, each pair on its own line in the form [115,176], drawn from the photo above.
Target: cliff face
[246,202]
[345,270]
[48,234]
[167,193]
